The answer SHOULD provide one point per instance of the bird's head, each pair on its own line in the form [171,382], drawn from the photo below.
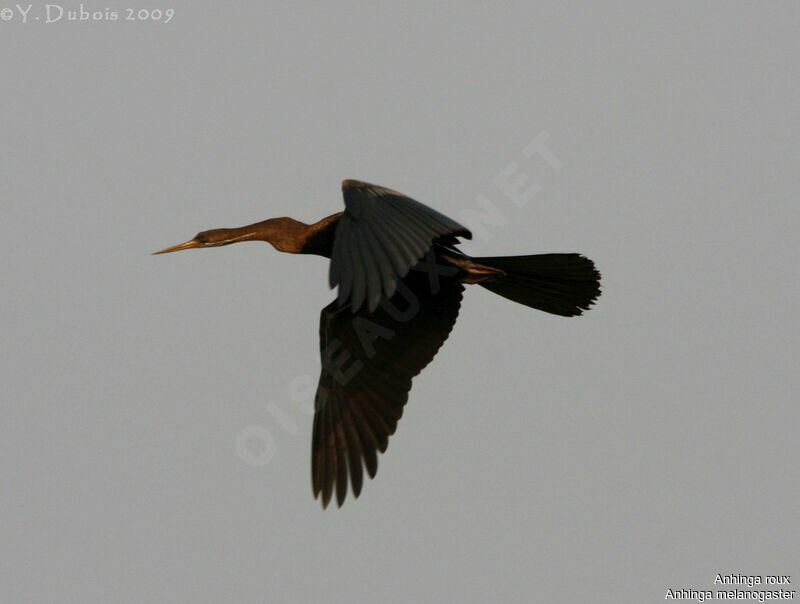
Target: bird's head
[211,238]
[285,234]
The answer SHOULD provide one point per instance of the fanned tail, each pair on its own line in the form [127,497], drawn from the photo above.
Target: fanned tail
[561,284]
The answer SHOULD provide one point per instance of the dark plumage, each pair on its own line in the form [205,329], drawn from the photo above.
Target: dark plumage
[400,278]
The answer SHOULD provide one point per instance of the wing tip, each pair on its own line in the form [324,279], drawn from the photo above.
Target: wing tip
[351,183]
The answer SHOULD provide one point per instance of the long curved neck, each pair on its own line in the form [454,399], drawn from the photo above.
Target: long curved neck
[285,234]
[290,235]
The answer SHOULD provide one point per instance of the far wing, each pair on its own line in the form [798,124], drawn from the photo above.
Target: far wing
[381,235]
[368,360]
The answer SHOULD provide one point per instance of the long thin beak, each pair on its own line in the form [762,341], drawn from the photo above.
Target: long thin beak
[189,245]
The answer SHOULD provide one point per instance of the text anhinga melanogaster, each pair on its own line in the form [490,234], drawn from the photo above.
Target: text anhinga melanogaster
[400,278]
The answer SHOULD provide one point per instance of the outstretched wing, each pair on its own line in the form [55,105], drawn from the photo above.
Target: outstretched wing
[368,360]
[381,235]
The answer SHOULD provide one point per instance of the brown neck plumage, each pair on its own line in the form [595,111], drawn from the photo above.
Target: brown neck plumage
[290,235]
[284,234]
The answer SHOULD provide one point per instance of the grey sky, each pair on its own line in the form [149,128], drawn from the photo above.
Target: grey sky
[648,445]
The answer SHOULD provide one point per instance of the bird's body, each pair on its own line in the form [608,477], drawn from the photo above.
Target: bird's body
[400,281]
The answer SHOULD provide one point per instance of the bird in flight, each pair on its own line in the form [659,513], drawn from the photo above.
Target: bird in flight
[400,279]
